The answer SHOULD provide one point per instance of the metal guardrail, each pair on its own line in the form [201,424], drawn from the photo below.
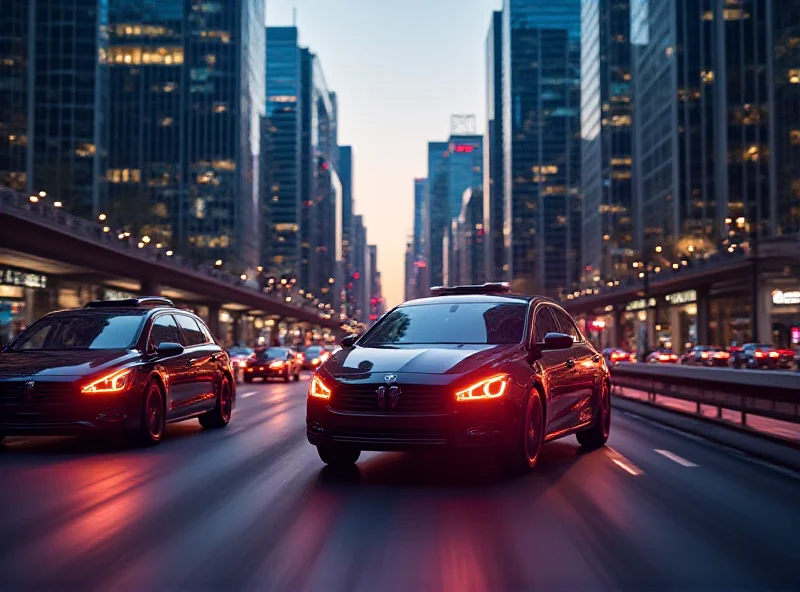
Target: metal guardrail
[88,229]
[771,394]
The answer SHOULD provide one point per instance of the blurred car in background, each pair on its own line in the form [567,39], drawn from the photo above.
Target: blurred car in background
[273,362]
[239,356]
[315,356]
[785,360]
[737,356]
[759,356]
[662,356]
[706,355]
[614,356]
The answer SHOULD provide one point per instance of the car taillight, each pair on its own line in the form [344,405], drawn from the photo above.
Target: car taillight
[490,388]
[759,354]
[242,363]
[722,355]
[615,356]
[301,357]
[704,355]
[673,356]
[774,354]
[663,357]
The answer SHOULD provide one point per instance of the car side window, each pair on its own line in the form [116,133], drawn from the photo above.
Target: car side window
[194,335]
[164,330]
[566,325]
[544,324]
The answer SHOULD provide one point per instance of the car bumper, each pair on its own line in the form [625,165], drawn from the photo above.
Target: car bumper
[94,414]
[478,424]
[267,373]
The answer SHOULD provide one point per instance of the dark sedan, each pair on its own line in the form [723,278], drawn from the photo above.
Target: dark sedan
[273,362]
[706,355]
[128,365]
[472,367]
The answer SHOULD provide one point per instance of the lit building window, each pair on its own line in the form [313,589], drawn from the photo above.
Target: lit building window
[794,76]
[283,99]
[124,54]
[220,107]
[123,175]
[165,121]
[707,76]
[794,137]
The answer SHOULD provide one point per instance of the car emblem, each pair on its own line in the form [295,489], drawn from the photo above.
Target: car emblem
[28,391]
[390,377]
[388,397]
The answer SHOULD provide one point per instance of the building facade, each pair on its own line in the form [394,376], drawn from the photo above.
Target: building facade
[541,139]
[54,99]
[281,155]
[606,141]
[419,279]
[496,267]
[188,95]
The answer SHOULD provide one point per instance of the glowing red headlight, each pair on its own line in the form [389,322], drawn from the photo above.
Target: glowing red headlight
[490,388]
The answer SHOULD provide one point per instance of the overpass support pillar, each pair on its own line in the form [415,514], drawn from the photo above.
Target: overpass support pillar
[675,329]
[213,321]
[149,288]
[703,317]
[615,331]
[764,312]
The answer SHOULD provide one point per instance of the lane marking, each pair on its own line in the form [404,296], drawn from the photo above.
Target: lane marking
[623,462]
[675,458]
[248,394]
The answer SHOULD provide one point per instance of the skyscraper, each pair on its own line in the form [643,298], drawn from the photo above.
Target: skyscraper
[346,178]
[496,267]
[420,250]
[321,219]
[188,95]
[541,156]
[706,124]
[453,167]
[606,112]
[54,76]
[281,155]
[360,275]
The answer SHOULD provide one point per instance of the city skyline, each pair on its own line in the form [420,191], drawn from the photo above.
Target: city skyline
[390,143]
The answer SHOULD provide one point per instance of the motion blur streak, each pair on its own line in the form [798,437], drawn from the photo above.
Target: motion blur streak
[253,508]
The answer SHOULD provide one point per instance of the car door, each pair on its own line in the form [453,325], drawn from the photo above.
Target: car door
[201,367]
[584,376]
[555,369]
[165,330]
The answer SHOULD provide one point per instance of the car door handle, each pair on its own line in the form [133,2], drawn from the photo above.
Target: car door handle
[570,363]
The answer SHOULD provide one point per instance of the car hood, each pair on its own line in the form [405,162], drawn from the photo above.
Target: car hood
[51,364]
[442,359]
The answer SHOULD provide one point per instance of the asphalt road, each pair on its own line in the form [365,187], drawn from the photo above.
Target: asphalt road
[251,507]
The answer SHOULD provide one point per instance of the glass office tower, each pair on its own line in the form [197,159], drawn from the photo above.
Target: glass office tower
[496,268]
[188,95]
[541,136]
[281,157]
[606,133]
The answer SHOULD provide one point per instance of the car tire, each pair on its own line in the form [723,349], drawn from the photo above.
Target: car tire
[597,435]
[153,421]
[220,416]
[287,377]
[337,455]
[526,450]
[297,377]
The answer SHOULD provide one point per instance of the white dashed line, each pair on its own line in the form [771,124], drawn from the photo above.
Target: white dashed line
[623,463]
[248,394]
[675,458]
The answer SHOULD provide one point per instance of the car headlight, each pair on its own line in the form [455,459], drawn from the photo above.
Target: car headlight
[276,365]
[318,389]
[113,383]
[490,388]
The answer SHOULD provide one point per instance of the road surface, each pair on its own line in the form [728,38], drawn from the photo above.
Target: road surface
[251,507]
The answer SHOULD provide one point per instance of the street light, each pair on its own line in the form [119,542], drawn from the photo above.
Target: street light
[43,194]
[146,239]
[218,263]
[57,204]
[102,217]
[34,199]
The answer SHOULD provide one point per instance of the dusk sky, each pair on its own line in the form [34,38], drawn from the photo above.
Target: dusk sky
[400,69]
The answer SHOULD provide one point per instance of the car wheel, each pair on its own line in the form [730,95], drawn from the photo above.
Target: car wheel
[337,455]
[287,377]
[153,421]
[525,452]
[597,435]
[220,416]
[297,377]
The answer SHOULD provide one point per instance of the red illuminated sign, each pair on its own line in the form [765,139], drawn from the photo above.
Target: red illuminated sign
[356,275]
[464,148]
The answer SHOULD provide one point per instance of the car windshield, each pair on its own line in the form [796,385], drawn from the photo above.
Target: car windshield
[313,351]
[453,323]
[272,353]
[81,331]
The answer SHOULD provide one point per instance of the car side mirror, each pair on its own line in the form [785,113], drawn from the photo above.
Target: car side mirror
[349,342]
[553,341]
[169,349]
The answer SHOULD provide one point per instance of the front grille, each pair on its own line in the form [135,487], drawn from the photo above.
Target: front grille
[363,398]
[46,393]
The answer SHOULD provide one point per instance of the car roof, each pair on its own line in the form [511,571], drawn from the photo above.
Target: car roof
[475,298]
